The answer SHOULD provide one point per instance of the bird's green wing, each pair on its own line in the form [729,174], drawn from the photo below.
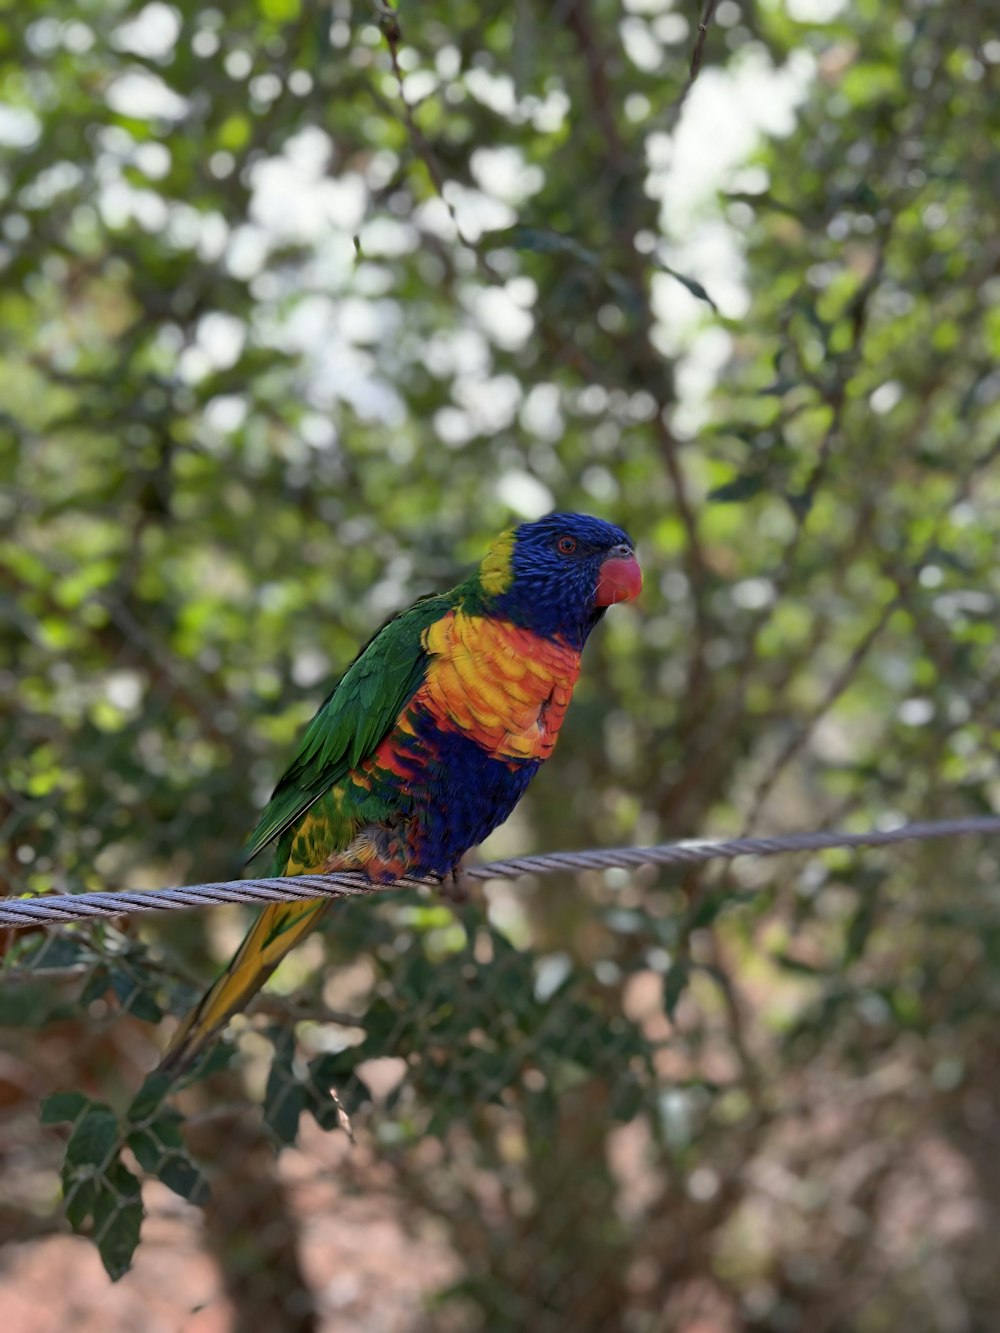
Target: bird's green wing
[353,720]
[356,716]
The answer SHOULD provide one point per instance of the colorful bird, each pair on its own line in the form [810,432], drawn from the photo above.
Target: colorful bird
[429,739]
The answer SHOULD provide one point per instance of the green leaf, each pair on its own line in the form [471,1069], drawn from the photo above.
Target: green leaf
[626,1098]
[148,1150]
[118,1215]
[168,1163]
[711,905]
[63,1106]
[27,1005]
[80,1194]
[860,927]
[97,985]
[64,951]
[149,1097]
[543,242]
[792,964]
[93,1141]
[692,284]
[800,503]
[180,1174]
[284,1097]
[132,997]
[96,1185]
[743,487]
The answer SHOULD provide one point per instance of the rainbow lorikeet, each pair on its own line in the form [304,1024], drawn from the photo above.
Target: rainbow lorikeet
[429,739]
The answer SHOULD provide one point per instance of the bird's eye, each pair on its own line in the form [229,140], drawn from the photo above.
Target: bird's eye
[566,545]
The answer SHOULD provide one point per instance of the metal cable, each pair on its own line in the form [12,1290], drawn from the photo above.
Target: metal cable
[18,913]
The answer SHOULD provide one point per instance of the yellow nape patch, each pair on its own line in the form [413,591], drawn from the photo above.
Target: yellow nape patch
[495,573]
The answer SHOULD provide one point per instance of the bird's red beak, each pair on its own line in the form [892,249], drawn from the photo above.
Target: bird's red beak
[620,579]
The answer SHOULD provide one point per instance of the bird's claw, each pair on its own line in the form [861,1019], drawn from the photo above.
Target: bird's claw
[454,886]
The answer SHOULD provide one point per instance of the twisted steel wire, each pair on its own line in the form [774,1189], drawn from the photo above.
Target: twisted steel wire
[18,913]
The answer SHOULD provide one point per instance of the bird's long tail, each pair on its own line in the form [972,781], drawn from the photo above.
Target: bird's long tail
[277,930]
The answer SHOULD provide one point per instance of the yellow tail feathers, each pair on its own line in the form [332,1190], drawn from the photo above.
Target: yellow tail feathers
[277,930]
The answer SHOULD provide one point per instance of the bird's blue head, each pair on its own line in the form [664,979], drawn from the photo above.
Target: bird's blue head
[557,576]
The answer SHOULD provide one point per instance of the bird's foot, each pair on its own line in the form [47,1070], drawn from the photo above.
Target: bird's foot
[454,886]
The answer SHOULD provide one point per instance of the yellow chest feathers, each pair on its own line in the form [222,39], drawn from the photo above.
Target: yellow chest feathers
[504,687]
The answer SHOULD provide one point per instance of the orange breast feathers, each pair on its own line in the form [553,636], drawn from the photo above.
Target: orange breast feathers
[504,687]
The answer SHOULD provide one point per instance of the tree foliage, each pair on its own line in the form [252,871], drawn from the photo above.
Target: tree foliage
[301,303]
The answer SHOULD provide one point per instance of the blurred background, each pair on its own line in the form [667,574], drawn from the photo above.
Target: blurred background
[301,303]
